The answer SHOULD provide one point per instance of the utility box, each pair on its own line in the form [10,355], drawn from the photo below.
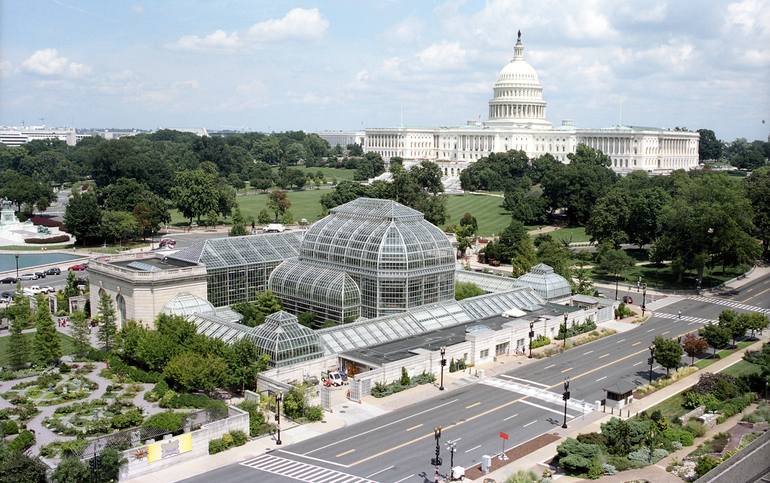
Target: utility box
[486,463]
[458,473]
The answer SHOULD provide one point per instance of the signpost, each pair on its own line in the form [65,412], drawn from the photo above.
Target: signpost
[504,438]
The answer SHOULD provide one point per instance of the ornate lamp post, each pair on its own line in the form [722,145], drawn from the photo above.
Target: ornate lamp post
[651,360]
[17,267]
[644,298]
[531,335]
[452,448]
[565,396]
[278,399]
[564,338]
[436,461]
[443,363]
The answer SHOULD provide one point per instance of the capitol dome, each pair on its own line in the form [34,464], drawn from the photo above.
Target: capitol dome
[518,94]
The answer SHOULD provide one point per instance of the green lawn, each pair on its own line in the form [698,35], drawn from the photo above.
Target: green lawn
[661,277]
[67,345]
[488,210]
[742,368]
[570,235]
[722,354]
[671,407]
[329,173]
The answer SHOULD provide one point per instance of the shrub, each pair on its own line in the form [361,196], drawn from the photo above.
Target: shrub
[314,413]
[405,380]
[705,464]
[127,419]
[575,464]
[166,421]
[239,438]
[257,424]
[721,386]
[608,469]
[228,440]
[424,378]
[678,435]
[20,443]
[696,428]
[216,446]
[540,341]
[9,427]
[134,373]
[593,438]
[522,476]
[735,405]
[676,445]
[623,311]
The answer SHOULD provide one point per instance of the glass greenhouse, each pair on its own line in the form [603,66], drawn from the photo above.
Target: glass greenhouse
[285,341]
[238,267]
[545,282]
[397,259]
[329,294]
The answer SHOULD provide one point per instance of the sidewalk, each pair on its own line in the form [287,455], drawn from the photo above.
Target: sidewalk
[536,460]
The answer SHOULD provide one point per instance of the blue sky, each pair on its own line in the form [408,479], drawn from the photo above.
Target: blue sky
[346,64]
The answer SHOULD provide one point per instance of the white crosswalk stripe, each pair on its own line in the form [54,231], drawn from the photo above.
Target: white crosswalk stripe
[297,470]
[538,393]
[686,318]
[730,303]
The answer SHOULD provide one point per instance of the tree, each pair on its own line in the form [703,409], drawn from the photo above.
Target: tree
[71,470]
[694,345]
[646,208]
[754,321]
[82,217]
[584,285]
[195,193]
[81,333]
[354,150]
[108,465]
[758,190]
[464,290]
[405,379]
[17,467]
[263,218]
[107,328]
[465,238]
[709,147]
[668,353]
[118,225]
[267,302]
[245,362]
[470,220]
[278,201]
[518,245]
[18,350]
[554,254]
[716,335]
[614,262]
[730,320]
[745,155]
[45,346]
[306,319]
[190,371]
[610,218]
[71,286]
[239,225]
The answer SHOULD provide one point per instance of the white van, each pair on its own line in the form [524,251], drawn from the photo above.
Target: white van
[274,228]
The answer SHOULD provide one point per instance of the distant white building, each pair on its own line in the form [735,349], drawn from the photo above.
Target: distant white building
[517,121]
[341,138]
[198,131]
[17,136]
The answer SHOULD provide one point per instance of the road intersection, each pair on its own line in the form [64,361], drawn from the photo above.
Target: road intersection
[524,402]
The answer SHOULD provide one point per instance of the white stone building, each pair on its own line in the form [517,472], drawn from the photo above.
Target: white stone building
[517,121]
[16,136]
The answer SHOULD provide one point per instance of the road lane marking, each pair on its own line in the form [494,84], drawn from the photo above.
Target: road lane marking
[413,427]
[757,295]
[640,362]
[651,330]
[636,344]
[404,479]
[475,447]
[548,367]
[589,352]
[543,407]
[473,405]
[664,333]
[351,450]
[511,417]
[314,458]
[619,341]
[605,355]
[382,426]
[523,380]
[566,370]
[601,378]
[693,322]
[530,423]
[381,471]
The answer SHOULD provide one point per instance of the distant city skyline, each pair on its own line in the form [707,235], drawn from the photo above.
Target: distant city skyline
[346,65]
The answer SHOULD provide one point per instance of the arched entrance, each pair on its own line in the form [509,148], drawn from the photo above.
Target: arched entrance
[120,301]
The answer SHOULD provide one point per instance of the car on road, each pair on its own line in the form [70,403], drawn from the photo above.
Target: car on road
[32,290]
[40,274]
[6,298]
[28,276]
[79,267]
[53,271]
[8,280]
[167,243]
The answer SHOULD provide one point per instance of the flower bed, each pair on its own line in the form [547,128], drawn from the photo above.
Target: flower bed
[382,390]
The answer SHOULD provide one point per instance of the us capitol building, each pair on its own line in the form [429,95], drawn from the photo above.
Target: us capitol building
[517,121]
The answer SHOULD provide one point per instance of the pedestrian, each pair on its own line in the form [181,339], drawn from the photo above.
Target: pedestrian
[679,315]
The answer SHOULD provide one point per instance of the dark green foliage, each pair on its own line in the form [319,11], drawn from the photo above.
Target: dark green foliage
[405,380]
[576,329]
[71,470]
[24,440]
[127,419]
[382,390]
[83,217]
[464,290]
[540,341]
[257,423]
[668,353]
[165,421]
[227,441]
[46,348]
[593,438]
[717,336]
[576,458]
[705,464]
[9,427]
[296,407]
[17,467]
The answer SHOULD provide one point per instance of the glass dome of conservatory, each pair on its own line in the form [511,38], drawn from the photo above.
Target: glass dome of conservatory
[375,235]
[545,282]
[285,341]
[187,304]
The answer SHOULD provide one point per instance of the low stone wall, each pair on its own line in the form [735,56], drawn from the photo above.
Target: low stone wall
[695,413]
[170,450]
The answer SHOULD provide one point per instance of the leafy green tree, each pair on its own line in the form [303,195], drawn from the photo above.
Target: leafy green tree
[82,217]
[195,193]
[745,155]
[18,350]
[81,333]
[263,218]
[583,284]
[464,290]
[554,254]
[239,225]
[245,362]
[278,202]
[108,465]
[267,302]
[71,286]
[45,346]
[465,238]
[71,470]
[668,353]
[107,326]
[758,190]
[470,220]
[716,335]
[754,321]
[370,166]
[610,218]
[354,150]
[118,225]
[306,319]
[614,262]
[646,208]
[190,371]
[731,321]
[17,467]
[709,147]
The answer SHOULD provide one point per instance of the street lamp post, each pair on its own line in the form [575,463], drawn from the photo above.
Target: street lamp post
[278,399]
[644,298]
[565,396]
[651,360]
[17,267]
[436,461]
[451,447]
[564,338]
[443,363]
[531,335]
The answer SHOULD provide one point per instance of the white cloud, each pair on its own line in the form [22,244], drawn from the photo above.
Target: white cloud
[362,76]
[48,62]
[297,24]
[442,56]
[217,40]
[6,69]
[750,16]
[406,31]
[590,22]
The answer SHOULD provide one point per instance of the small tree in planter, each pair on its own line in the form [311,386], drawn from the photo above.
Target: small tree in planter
[405,380]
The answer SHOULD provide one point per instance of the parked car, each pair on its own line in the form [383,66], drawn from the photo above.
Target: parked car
[40,274]
[167,243]
[31,290]
[53,271]
[48,289]
[8,280]
[6,299]
[79,267]
[28,276]
[274,228]
[336,378]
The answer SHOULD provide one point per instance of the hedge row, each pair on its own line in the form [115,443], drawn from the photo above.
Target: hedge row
[227,441]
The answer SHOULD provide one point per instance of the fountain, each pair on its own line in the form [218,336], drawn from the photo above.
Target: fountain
[15,232]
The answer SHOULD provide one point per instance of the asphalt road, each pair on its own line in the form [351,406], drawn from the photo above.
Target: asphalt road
[397,447]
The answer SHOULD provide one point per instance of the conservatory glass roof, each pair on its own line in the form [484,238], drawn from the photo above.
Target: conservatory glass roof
[187,304]
[313,282]
[545,281]
[485,281]
[285,341]
[242,250]
[219,325]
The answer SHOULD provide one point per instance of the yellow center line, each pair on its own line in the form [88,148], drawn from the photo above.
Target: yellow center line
[413,427]
[605,355]
[473,405]
[566,370]
[346,452]
[636,344]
